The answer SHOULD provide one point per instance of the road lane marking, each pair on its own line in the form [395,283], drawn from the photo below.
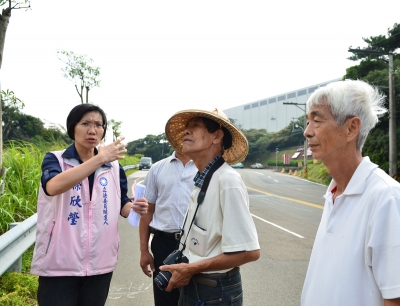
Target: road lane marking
[286,198]
[258,173]
[276,180]
[292,207]
[276,225]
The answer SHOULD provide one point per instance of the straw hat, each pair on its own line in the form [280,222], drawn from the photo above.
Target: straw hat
[176,125]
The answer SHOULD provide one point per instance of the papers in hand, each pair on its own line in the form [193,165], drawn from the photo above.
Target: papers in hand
[138,193]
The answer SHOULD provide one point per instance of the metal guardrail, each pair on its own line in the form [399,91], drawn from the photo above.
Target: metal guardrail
[130,167]
[15,242]
[18,239]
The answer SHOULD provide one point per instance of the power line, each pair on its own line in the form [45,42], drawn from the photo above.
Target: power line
[387,38]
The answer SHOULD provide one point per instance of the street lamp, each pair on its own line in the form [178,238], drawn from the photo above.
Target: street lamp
[305,151]
[276,160]
[305,138]
[392,110]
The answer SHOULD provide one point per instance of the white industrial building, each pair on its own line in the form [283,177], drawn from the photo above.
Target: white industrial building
[270,113]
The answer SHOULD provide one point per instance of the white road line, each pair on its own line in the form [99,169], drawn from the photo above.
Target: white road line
[276,181]
[269,176]
[290,206]
[280,227]
[259,173]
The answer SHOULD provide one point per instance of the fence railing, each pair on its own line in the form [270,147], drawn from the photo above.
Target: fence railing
[18,239]
[130,167]
[15,242]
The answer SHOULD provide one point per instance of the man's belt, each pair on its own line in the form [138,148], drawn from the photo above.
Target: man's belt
[156,232]
[208,279]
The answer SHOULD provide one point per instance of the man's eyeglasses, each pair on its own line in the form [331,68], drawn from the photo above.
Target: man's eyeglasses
[96,125]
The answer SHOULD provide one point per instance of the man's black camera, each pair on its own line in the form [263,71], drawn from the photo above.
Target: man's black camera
[162,278]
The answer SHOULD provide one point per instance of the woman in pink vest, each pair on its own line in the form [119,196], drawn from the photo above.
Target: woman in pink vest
[83,192]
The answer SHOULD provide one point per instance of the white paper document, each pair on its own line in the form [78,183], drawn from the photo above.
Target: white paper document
[138,193]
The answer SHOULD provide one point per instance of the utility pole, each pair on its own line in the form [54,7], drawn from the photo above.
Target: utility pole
[392,110]
[305,138]
[392,122]
[276,160]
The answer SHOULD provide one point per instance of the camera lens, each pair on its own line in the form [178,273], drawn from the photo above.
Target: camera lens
[162,279]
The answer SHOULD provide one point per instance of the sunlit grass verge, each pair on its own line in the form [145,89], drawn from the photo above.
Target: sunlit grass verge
[19,288]
[130,160]
[317,173]
[18,201]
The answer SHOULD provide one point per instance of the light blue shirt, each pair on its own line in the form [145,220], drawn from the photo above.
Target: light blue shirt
[168,185]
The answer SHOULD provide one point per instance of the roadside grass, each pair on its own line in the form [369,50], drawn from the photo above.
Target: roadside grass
[19,288]
[18,201]
[317,173]
[130,160]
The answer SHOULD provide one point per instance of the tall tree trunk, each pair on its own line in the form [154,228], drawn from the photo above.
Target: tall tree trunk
[79,93]
[4,20]
[87,94]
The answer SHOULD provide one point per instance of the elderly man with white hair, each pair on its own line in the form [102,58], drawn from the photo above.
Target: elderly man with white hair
[356,255]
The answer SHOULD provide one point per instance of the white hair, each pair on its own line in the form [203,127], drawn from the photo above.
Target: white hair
[351,98]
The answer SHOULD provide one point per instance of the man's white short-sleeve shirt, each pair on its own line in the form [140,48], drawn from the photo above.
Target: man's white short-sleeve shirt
[223,222]
[356,255]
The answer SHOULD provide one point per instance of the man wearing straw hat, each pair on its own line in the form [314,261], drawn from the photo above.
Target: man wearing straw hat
[219,234]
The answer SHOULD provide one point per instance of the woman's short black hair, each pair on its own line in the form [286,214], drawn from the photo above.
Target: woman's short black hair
[76,114]
[213,126]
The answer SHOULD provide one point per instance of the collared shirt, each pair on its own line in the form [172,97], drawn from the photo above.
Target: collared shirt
[199,178]
[168,186]
[223,223]
[51,167]
[355,258]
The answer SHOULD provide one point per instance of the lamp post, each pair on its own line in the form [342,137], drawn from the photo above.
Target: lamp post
[305,151]
[392,110]
[305,138]
[276,159]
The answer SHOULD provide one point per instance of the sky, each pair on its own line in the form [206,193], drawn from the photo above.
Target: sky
[159,57]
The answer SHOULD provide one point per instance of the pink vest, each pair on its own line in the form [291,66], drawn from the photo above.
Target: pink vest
[76,236]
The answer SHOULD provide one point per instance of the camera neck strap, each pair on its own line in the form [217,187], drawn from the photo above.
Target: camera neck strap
[202,194]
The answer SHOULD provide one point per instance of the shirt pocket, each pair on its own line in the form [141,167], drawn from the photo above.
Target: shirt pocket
[198,240]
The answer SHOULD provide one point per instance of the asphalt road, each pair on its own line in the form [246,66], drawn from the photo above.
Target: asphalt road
[286,211]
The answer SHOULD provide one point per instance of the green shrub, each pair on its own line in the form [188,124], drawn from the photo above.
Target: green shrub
[18,289]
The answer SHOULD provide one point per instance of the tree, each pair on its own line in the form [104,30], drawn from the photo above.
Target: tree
[20,126]
[11,106]
[116,128]
[4,20]
[154,146]
[374,70]
[79,71]
[380,43]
